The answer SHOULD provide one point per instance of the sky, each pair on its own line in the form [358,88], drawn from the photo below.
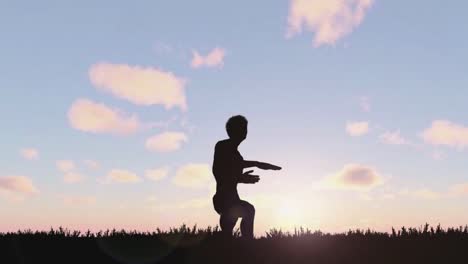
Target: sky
[111,109]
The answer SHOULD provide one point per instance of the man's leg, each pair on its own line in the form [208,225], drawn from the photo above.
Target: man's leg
[227,222]
[247,212]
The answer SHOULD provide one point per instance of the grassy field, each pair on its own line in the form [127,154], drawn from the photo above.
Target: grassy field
[192,245]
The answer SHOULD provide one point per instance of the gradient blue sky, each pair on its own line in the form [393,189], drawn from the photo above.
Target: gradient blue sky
[406,58]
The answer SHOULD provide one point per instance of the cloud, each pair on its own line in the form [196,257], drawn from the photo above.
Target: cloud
[166,141]
[329,20]
[121,176]
[357,129]
[139,85]
[88,116]
[215,58]
[446,133]
[91,164]
[30,153]
[73,177]
[459,189]
[79,200]
[354,177]
[194,176]
[426,194]
[18,184]
[393,138]
[65,165]
[157,174]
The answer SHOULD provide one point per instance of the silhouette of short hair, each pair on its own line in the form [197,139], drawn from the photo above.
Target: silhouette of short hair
[235,124]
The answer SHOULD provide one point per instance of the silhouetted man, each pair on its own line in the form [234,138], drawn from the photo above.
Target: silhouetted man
[228,166]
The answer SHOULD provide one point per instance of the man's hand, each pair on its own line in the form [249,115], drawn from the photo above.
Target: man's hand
[248,178]
[267,166]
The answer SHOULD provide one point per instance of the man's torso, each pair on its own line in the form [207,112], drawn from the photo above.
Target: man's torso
[227,166]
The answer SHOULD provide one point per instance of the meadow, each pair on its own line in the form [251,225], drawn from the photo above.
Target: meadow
[184,244]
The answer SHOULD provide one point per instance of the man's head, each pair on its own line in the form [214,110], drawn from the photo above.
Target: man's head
[236,128]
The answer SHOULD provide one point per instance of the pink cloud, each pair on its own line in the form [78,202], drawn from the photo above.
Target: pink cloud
[193,175]
[355,177]
[88,116]
[157,174]
[215,58]
[73,177]
[121,176]
[330,20]
[166,142]
[65,165]
[139,85]
[446,133]
[393,138]
[357,129]
[79,200]
[30,153]
[18,184]
[459,189]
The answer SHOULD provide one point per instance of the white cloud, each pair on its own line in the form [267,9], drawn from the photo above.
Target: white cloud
[157,174]
[65,165]
[357,129]
[30,153]
[88,116]
[426,194]
[121,176]
[393,138]
[17,184]
[166,141]
[139,85]
[92,164]
[329,20]
[73,177]
[193,176]
[446,133]
[354,177]
[68,168]
[215,58]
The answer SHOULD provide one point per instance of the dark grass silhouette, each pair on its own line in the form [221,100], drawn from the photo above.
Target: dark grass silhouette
[192,245]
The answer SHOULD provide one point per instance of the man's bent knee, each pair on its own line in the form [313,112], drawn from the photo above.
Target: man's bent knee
[249,208]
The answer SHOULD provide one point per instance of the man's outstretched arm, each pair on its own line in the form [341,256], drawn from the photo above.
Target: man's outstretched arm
[260,165]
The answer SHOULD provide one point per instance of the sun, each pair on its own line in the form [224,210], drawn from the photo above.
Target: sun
[289,214]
